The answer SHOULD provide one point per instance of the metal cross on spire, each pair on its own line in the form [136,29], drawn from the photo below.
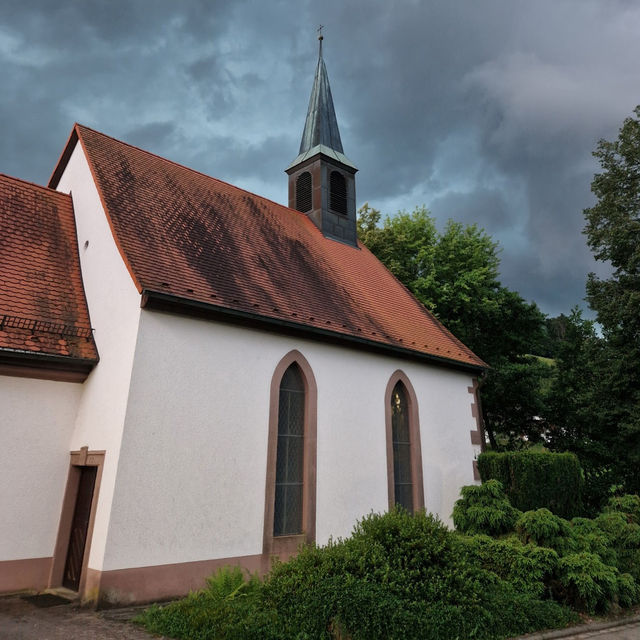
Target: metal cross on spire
[320,37]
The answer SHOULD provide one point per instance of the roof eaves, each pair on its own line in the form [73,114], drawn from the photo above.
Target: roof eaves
[326,151]
[61,165]
[168,302]
[22,363]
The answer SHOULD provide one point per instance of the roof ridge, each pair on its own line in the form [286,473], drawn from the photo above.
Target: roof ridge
[190,169]
[35,184]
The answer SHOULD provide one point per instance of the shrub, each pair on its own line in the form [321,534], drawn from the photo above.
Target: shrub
[397,576]
[623,537]
[586,583]
[403,576]
[628,590]
[629,505]
[589,537]
[534,480]
[546,530]
[484,509]
[229,608]
[525,566]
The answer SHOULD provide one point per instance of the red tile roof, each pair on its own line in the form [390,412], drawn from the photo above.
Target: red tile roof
[43,309]
[189,235]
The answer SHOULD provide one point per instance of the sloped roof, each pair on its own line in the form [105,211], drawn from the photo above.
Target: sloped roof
[321,133]
[43,310]
[191,237]
[321,125]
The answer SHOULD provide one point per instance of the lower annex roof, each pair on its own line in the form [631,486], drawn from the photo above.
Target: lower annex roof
[43,310]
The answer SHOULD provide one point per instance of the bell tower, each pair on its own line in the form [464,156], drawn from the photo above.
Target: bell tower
[322,179]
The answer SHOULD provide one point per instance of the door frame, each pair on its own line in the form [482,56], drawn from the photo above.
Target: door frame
[78,459]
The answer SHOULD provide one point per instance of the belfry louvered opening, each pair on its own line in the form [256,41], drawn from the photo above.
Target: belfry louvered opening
[303,192]
[338,192]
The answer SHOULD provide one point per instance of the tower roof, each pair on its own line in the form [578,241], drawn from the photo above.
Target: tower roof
[321,133]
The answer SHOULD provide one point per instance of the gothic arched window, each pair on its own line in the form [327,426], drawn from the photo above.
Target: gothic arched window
[290,490]
[404,456]
[287,513]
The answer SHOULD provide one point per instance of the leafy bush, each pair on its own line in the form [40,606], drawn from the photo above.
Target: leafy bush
[546,530]
[629,505]
[587,536]
[628,590]
[525,566]
[403,576]
[230,608]
[484,509]
[533,480]
[586,583]
[623,537]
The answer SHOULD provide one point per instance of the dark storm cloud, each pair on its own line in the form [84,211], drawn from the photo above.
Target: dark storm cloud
[488,205]
[485,112]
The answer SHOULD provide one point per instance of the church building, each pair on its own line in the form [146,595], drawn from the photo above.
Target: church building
[194,376]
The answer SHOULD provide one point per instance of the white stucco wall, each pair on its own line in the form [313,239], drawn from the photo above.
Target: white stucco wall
[36,421]
[114,306]
[192,468]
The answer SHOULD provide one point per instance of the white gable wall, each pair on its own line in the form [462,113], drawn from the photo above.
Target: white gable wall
[114,306]
[36,424]
[191,478]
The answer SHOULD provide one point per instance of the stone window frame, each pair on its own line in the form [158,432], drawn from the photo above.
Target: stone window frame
[287,545]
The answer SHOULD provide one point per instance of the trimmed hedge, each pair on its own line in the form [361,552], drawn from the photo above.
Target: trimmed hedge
[533,480]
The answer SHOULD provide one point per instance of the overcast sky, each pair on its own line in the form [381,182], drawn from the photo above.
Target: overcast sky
[485,111]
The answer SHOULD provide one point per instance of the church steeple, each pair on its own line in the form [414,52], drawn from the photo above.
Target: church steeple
[322,178]
[321,125]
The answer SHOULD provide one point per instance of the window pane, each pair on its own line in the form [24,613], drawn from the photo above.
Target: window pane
[404,496]
[292,379]
[295,457]
[293,507]
[296,412]
[402,463]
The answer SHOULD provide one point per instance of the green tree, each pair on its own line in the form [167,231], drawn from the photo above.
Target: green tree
[613,234]
[572,406]
[454,273]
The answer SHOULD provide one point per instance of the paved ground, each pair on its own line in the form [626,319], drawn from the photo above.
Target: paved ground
[21,620]
[626,632]
[622,629]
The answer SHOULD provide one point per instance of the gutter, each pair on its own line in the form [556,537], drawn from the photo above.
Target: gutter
[27,364]
[160,301]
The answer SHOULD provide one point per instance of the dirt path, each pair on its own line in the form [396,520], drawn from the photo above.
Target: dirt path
[21,620]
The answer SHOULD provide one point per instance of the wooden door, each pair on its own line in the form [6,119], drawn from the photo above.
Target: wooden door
[79,526]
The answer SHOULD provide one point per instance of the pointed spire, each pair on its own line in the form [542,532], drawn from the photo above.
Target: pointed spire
[321,126]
